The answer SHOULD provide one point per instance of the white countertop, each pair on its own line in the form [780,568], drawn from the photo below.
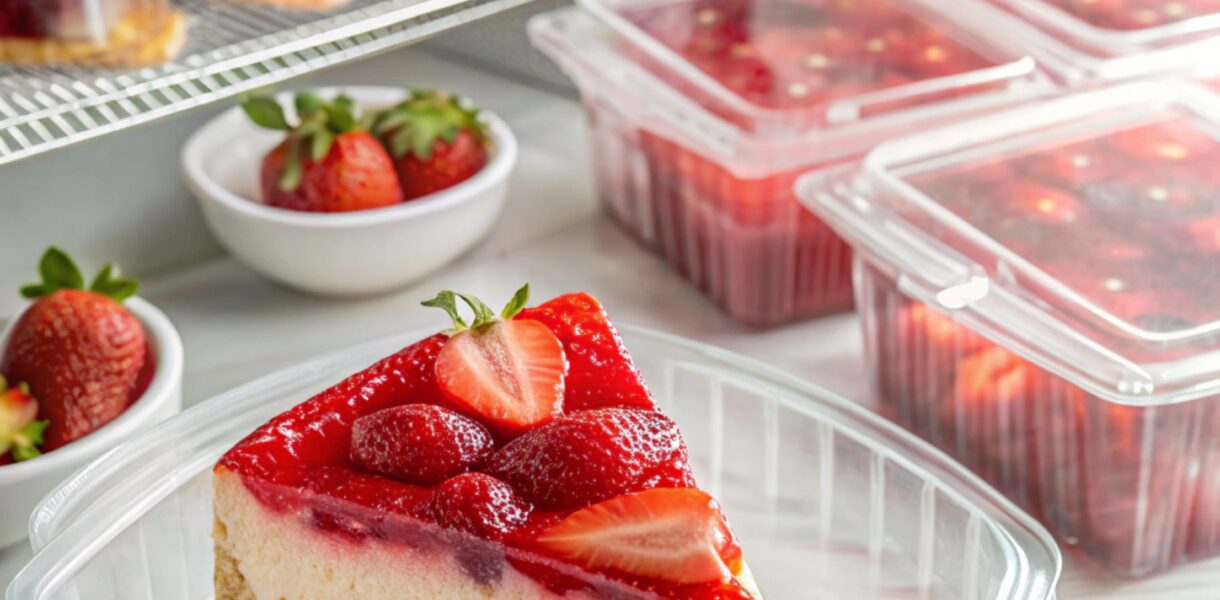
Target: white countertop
[236,326]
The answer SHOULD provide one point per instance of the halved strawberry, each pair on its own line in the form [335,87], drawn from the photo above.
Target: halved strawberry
[670,534]
[508,373]
[20,429]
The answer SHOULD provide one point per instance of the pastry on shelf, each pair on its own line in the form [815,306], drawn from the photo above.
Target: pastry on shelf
[107,33]
[519,456]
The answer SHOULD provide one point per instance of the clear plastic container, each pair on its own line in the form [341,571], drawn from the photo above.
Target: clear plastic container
[1106,40]
[89,32]
[828,500]
[1037,291]
[702,113]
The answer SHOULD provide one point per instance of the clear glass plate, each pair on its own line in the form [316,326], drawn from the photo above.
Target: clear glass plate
[829,500]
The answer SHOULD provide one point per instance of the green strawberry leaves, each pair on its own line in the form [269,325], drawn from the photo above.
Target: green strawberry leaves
[517,304]
[59,272]
[266,113]
[417,123]
[484,316]
[110,282]
[28,441]
[319,124]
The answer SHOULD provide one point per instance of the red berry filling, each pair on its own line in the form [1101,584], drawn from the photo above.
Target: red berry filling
[21,18]
[1128,222]
[782,54]
[1136,14]
[384,455]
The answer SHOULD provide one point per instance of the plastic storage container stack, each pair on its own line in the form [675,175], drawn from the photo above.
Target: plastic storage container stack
[703,113]
[1091,41]
[128,32]
[1037,290]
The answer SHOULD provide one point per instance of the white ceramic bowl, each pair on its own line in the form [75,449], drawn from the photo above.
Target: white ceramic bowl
[338,254]
[23,485]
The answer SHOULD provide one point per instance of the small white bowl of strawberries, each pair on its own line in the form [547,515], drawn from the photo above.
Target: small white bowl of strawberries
[353,191]
[84,367]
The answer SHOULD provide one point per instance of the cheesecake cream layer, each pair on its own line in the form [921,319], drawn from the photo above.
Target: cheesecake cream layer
[264,554]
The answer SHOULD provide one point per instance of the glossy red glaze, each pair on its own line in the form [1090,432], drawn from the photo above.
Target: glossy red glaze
[786,55]
[600,371]
[300,462]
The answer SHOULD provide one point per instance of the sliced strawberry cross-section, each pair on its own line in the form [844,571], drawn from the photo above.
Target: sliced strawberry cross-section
[669,534]
[510,374]
[20,429]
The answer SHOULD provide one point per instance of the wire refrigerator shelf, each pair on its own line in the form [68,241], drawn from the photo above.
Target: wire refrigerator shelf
[232,47]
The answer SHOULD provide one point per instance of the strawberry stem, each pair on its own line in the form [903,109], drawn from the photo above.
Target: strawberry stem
[483,315]
[59,272]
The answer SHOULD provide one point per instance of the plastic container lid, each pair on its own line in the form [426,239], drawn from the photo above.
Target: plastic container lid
[1081,232]
[1112,39]
[775,67]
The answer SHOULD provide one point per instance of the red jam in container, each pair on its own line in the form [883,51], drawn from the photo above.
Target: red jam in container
[703,113]
[1089,41]
[1038,295]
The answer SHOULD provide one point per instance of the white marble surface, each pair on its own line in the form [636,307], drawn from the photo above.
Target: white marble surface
[237,326]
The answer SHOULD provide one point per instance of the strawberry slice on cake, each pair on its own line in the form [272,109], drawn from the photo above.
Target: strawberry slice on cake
[519,455]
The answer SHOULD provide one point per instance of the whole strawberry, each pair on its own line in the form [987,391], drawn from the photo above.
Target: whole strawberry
[328,163]
[20,429]
[435,141]
[79,350]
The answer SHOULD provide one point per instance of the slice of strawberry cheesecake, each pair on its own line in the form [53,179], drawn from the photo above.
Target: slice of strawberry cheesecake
[518,456]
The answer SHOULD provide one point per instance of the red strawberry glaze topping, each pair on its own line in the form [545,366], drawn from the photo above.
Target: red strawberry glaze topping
[600,371]
[388,454]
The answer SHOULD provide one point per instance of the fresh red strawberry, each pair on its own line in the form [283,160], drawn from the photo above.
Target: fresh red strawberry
[480,504]
[590,456]
[669,534]
[316,432]
[437,142]
[80,351]
[601,373]
[20,430]
[508,373]
[327,163]
[421,444]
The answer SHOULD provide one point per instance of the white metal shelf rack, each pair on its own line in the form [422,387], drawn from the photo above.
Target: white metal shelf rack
[232,47]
